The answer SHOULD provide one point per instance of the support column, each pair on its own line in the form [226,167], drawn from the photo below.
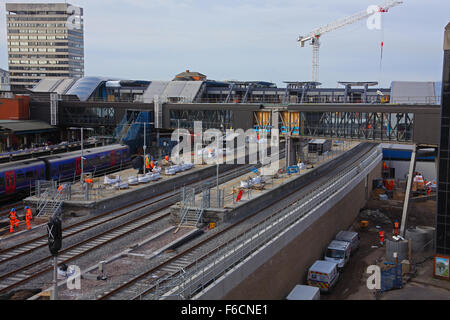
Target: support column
[301,154]
[291,157]
[346,93]
[412,168]
[443,177]
[366,86]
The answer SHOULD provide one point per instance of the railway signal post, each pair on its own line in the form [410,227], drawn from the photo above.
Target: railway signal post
[54,230]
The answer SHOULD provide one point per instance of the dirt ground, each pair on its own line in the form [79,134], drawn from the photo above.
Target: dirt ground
[352,283]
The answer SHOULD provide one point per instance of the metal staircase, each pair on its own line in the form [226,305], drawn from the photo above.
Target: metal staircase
[50,202]
[191,215]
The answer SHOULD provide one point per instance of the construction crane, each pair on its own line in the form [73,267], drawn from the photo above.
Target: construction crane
[314,35]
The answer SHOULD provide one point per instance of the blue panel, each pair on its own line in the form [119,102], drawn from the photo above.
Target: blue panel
[393,154]
[391,278]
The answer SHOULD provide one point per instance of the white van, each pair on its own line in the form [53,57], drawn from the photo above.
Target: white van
[349,236]
[339,252]
[323,274]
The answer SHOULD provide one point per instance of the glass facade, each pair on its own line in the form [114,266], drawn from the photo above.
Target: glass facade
[443,199]
[86,86]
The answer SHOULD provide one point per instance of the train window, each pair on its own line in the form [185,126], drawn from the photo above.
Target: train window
[20,178]
[29,175]
[90,162]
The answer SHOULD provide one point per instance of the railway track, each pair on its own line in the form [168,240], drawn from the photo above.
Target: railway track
[178,263]
[33,270]
[37,268]
[35,243]
[4,210]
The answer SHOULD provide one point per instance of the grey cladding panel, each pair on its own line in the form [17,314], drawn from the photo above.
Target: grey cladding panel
[155,88]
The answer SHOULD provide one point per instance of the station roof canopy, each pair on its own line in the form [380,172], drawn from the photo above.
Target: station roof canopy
[261,84]
[301,84]
[186,90]
[84,87]
[413,92]
[25,126]
[314,83]
[358,83]
[58,85]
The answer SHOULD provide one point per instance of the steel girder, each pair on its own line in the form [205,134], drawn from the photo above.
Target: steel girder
[365,126]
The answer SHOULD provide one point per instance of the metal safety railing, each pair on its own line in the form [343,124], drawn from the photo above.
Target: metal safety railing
[187,204]
[194,278]
[50,198]
[320,99]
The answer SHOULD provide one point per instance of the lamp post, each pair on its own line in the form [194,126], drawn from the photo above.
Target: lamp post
[82,143]
[145,145]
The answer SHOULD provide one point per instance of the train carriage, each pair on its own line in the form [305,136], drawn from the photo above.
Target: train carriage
[17,177]
[67,166]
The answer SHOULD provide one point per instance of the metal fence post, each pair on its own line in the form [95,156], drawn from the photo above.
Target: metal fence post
[87,191]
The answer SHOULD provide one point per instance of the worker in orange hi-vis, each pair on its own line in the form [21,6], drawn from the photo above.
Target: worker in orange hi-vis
[381,234]
[60,188]
[396,226]
[14,222]
[147,162]
[28,217]
[152,164]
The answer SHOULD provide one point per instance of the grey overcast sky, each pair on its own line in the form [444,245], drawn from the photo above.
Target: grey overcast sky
[256,40]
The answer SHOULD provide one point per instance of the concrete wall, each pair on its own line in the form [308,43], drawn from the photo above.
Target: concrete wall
[288,264]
